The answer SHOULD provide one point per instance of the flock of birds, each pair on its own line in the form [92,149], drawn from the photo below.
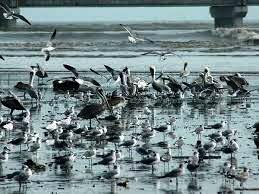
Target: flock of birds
[63,135]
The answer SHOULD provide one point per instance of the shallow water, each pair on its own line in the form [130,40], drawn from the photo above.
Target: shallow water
[95,43]
[239,113]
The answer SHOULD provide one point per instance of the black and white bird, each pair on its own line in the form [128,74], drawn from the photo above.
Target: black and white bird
[162,54]
[133,37]
[50,46]
[175,173]
[10,14]
[20,176]
[4,155]
[220,125]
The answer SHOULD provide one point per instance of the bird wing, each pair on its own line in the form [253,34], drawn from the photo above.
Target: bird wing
[53,35]
[235,82]
[91,80]
[72,69]
[5,7]
[22,18]
[151,52]
[129,30]
[113,72]
[148,40]
[1,57]
[98,73]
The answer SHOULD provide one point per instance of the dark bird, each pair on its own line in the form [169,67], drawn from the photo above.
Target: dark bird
[19,141]
[10,14]
[91,111]
[158,86]
[41,73]
[175,173]
[1,57]
[12,102]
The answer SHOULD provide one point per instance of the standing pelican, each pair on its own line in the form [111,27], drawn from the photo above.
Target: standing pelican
[12,102]
[10,14]
[159,87]
[133,37]
[49,47]
[91,111]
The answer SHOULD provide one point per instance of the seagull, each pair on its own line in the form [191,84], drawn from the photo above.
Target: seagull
[114,173]
[133,37]
[243,176]
[175,173]
[49,47]
[220,125]
[20,176]
[4,154]
[151,160]
[10,14]
[199,130]
[162,54]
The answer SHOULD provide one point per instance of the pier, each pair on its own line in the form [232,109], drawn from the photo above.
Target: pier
[226,13]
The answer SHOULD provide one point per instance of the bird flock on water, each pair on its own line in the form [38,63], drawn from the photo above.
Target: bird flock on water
[106,141]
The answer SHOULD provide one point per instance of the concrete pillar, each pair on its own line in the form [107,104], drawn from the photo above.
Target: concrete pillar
[13,4]
[228,16]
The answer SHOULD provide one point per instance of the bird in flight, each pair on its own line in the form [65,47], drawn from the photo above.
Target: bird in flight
[133,37]
[10,14]
[49,47]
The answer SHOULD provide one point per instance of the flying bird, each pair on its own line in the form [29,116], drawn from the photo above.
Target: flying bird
[49,47]
[133,37]
[10,14]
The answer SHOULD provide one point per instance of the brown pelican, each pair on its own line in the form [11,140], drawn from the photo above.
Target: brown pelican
[158,86]
[9,14]
[91,111]
[26,86]
[12,102]
[41,73]
[133,37]
[49,47]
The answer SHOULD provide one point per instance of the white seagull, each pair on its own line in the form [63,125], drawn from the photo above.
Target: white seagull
[133,37]
[49,47]
[10,14]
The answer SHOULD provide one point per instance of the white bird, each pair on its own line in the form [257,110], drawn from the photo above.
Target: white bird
[52,126]
[10,14]
[4,155]
[49,47]
[36,145]
[147,111]
[133,37]
[243,176]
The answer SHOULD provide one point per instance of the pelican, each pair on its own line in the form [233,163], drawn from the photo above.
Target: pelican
[49,47]
[12,102]
[41,73]
[185,72]
[133,37]
[159,87]
[25,87]
[10,14]
[93,110]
